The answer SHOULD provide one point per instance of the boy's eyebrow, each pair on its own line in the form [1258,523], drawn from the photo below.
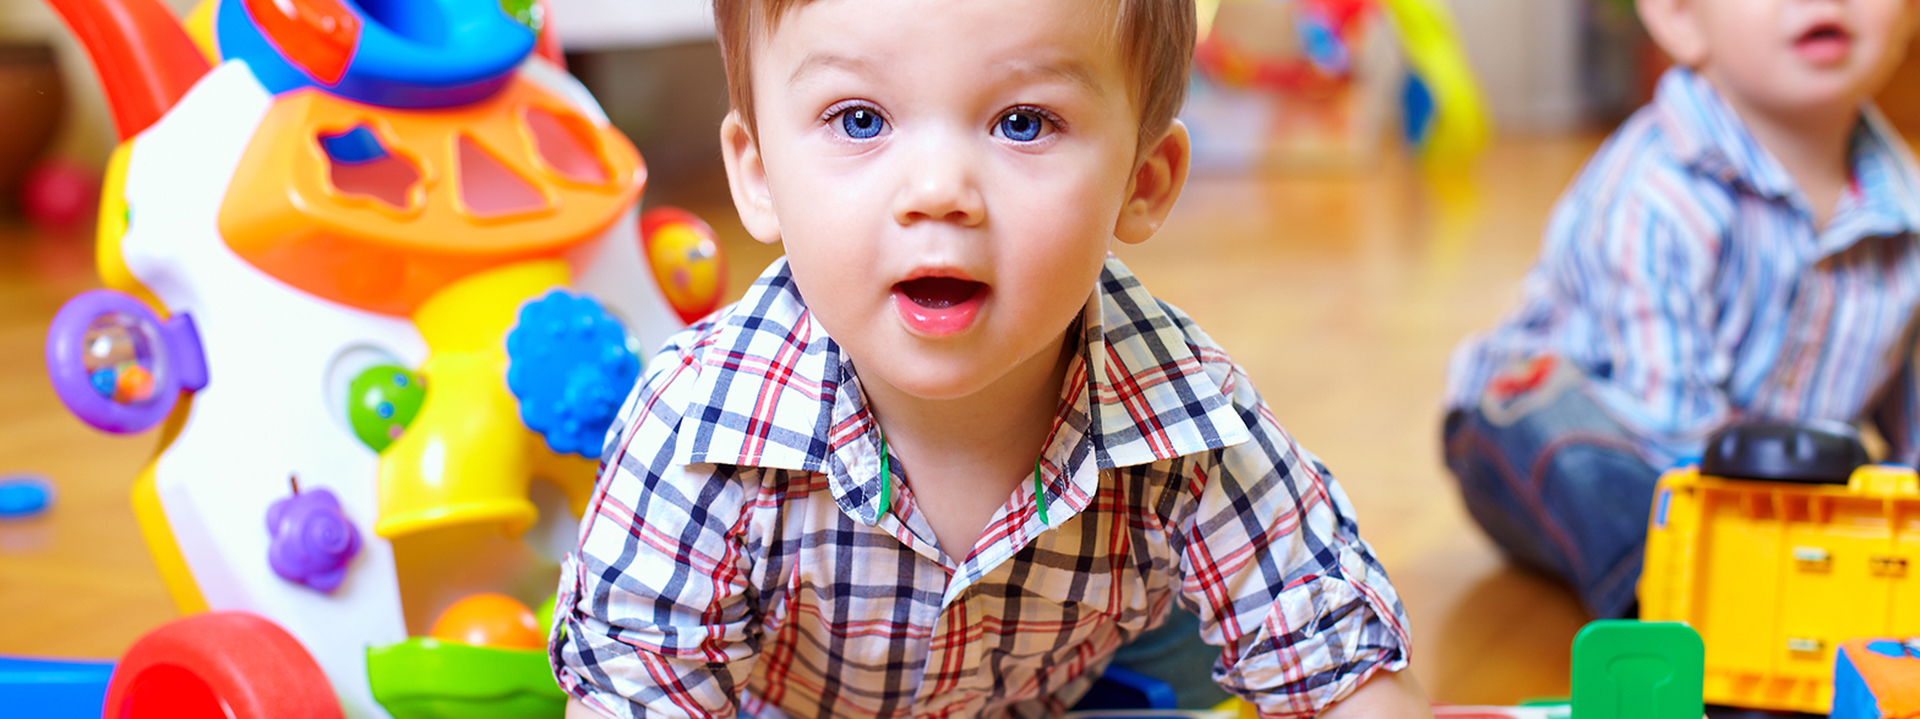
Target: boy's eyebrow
[1071,71]
[817,62]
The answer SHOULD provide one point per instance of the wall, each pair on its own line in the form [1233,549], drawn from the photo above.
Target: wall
[88,131]
[1527,54]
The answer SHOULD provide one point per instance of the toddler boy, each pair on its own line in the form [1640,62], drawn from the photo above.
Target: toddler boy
[947,455]
[1743,248]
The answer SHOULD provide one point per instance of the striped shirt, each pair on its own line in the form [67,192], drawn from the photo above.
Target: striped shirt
[1683,273]
[736,558]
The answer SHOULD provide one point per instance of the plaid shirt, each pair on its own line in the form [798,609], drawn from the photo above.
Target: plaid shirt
[1683,272]
[735,558]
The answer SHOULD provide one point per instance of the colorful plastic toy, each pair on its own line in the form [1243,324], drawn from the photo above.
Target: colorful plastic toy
[23,496]
[53,688]
[1637,670]
[489,619]
[318,234]
[1446,116]
[1876,679]
[312,539]
[1313,82]
[686,259]
[1776,566]
[214,664]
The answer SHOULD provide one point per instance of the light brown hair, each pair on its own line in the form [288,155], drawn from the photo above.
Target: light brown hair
[1156,38]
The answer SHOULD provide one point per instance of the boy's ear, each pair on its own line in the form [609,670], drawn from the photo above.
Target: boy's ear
[747,178]
[1157,180]
[1675,27]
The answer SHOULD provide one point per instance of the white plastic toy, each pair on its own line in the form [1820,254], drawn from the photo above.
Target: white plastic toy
[369,262]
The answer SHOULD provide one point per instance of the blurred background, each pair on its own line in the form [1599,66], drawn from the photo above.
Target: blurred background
[1315,242]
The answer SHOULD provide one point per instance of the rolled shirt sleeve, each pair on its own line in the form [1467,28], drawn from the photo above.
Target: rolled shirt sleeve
[654,619]
[1274,566]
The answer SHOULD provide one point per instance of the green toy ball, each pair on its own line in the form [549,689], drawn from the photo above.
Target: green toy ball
[381,401]
[528,12]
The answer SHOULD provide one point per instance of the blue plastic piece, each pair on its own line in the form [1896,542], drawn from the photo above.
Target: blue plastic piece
[1416,110]
[105,380]
[1122,688]
[53,688]
[24,496]
[1852,698]
[411,53]
[571,364]
[1889,648]
[1323,46]
[353,147]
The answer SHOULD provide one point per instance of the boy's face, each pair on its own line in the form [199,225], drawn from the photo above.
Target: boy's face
[1788,56]
[946,175]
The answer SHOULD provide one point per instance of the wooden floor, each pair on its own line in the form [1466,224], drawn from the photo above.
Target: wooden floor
[1341,296]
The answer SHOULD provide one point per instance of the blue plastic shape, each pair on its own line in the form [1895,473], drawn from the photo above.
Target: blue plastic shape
[411,53]
[1125,689]
[1853,698]
[570,363]
[24,496]
[357,146]
[53,688]
[1417,110]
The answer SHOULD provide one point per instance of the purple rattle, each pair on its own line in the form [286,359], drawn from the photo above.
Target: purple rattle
[117,365]
[312,539]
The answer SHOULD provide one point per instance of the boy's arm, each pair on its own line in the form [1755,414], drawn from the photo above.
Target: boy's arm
[577,710]
[1644,273]
[1272,563]
[653,616]
[1388,695]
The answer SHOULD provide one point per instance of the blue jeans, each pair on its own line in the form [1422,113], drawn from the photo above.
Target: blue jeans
[1559,486]
[1175,654]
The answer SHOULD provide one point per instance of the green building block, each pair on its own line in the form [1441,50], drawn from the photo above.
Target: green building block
[1624,669]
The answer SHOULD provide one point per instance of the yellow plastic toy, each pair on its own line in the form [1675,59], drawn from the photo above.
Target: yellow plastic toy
[1776,574]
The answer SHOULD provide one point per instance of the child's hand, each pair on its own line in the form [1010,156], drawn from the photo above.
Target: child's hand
[577,710]
[1386,694]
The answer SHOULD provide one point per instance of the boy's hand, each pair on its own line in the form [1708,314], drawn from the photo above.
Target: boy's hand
[577,710]
[1386,694]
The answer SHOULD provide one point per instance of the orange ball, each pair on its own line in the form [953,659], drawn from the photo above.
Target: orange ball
[135,384]
[490,620]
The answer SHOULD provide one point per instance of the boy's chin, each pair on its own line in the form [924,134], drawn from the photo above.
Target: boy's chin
[1805,90]
[925,381]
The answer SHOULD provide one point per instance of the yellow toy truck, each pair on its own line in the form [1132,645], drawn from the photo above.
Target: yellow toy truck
[1779,546]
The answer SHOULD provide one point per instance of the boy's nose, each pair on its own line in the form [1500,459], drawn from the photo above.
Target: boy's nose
[940,186]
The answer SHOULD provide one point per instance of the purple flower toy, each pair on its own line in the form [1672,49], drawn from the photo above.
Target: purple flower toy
[312,539]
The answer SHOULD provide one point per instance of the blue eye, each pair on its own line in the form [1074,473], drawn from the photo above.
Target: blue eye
[861,123]
[1022,125]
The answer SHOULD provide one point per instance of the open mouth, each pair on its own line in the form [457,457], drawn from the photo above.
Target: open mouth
[939,293]
[1824,43]
[939,306]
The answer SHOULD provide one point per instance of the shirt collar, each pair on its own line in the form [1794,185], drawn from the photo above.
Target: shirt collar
[774,391]
[1886,200]
[1707,135]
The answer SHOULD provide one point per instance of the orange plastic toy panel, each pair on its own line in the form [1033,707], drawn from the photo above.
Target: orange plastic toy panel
[446,193]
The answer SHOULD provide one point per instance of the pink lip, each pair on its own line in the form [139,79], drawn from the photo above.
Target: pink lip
[1824,48]
[938,303]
